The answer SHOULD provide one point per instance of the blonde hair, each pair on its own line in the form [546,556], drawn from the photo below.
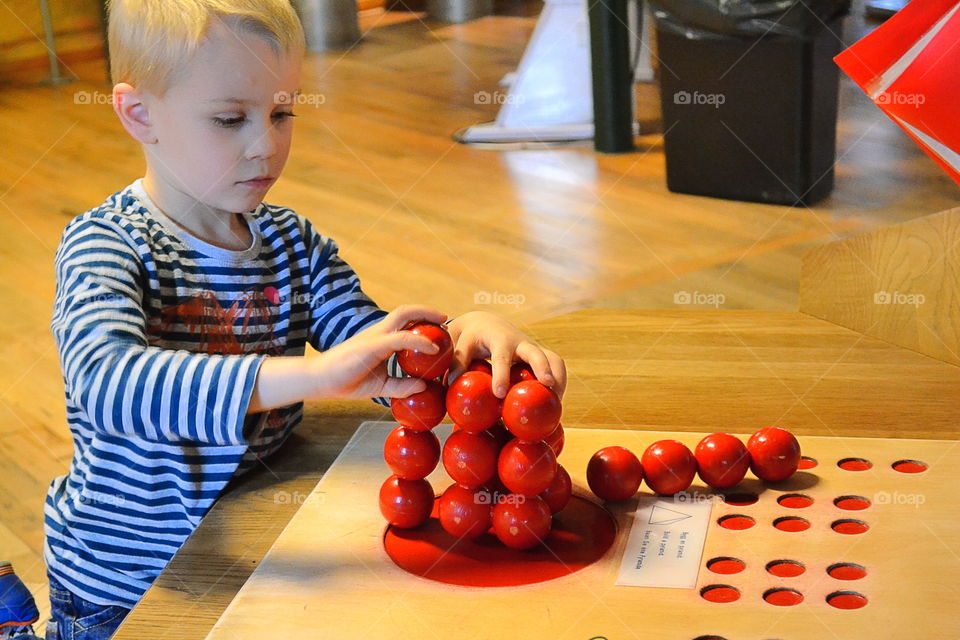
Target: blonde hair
[151,40]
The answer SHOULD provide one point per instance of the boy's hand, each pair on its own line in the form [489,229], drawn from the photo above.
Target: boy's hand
[356,368]
[479,334]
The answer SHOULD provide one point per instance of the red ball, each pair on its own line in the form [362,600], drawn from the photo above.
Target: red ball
[527,468]
[481,365]
[722,460]
[556,440]
[668,467]
[558,494]
[521,522]
[471,402]
[774,454]
[406,503]
[464,513]
[521,371]
[531,411]
[614,474]
[471,458]
[421,411]
[428,365]
[411,454]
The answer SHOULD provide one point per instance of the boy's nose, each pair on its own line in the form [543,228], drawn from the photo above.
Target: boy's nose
[263,145]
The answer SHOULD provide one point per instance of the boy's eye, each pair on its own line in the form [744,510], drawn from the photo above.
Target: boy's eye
[228,122]
[283,115]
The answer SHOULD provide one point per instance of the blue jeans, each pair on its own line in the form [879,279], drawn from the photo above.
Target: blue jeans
[73,618]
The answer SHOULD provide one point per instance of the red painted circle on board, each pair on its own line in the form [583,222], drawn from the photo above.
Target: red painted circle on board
[783,597]
[909,466]
[852,503]
[785,568]
[846,600]
[806,462]
[849,526]
[720,593]
[846,571]
[792,524]
[726,565]
[855,464]
[736,522]
[795,501]
[581,534]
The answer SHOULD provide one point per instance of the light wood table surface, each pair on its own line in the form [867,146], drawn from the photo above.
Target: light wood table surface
[643,370]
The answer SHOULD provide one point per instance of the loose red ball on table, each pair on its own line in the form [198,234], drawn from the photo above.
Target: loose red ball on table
[470,459]
[556,440]
[558,494]
[774,454]
[421,411]
[722,460]
[411,454]
[521,522]
[531,411]
[471,403]
[428,365]
[526,468]
[464,513]
[406,503]
[614,474]
[668,466]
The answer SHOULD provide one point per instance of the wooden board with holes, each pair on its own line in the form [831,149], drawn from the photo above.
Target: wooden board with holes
[328,576]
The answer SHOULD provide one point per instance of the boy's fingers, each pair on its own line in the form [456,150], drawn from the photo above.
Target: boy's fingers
[537,359]
[501,358]
[559,369]
[462,357]
[402,387]
[386,345]
[405,314]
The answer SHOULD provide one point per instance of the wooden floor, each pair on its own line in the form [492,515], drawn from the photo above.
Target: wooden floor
[421,218]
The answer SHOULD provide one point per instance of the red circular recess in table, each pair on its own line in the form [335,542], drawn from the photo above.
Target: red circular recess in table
[806,462]
[909,466]
[581,534]
[846,571]
[795,501]
[793,524]
[736,522]
[741,499]
[855,464]
[849,526]
[726,565]
[852,503]
[709,638]
[783,597]
[720,593]
[785,568]
[846,600]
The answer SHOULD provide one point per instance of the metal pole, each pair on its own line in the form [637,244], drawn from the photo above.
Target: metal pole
[612,78]
[329,24]
[458,10]
[55,77]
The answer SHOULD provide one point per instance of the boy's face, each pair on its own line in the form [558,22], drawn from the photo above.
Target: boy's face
[224,126]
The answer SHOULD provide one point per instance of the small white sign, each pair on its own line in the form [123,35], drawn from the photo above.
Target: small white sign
[665,544]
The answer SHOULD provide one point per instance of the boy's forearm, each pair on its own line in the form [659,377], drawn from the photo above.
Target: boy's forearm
[281,381]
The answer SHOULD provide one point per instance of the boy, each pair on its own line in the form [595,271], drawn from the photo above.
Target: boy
[183,305]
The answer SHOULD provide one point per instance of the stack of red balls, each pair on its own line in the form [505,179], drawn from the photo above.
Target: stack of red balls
[668,466]
[502,454]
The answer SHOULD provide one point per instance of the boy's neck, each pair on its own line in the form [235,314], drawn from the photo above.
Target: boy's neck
[219,228]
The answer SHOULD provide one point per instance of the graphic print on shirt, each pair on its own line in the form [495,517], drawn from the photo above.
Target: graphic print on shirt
[212,327]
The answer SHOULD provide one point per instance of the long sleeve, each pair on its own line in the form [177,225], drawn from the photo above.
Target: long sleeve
[124,386]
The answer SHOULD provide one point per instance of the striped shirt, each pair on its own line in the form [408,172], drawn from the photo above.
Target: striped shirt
[160,337]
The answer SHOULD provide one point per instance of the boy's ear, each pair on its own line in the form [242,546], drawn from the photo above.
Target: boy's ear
[130,108]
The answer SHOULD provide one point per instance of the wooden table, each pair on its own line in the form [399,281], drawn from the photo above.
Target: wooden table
[646,370]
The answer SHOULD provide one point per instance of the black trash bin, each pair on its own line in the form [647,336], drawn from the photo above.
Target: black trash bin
[749,97]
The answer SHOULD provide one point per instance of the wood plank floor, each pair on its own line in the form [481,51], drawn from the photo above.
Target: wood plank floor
[421,218]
